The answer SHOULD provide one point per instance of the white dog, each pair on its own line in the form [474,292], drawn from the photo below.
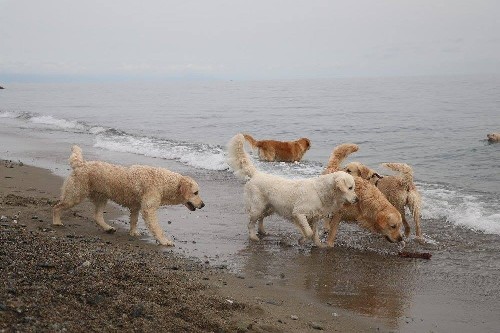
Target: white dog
[303,201]
[140,188]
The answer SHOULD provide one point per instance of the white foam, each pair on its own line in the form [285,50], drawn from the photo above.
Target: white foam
[7,114]
[97,130]
[205,160]
[459,209]
[56,122]
[206,157]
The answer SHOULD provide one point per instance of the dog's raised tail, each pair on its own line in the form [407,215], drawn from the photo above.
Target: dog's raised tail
[404,169]
[251,140]
[238,158]
[338,155]
[76,157]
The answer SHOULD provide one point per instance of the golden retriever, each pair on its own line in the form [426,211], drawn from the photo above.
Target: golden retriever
[140,188]
[303,201]
[493,137]
[398,189]
[372,211]
[279,151]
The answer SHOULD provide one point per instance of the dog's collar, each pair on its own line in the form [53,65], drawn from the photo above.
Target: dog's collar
[376,182]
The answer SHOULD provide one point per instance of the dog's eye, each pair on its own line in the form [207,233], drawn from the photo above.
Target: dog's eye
[350,188]
[196,193]
[393,226]
[348,171]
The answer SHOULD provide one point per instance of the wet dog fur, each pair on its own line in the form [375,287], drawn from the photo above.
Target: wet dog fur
[372,211]
[140,188]
[399,189]
[493,137]
[279,151]
[302,201]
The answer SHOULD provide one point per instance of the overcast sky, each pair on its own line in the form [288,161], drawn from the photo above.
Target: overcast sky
[250,39]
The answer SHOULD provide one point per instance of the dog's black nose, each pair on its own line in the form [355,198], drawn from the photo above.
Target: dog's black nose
[356,199]
[202,204]
[400,238]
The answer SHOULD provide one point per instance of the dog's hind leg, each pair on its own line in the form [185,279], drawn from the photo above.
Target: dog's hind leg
[405,223]
[134,217]
[100,204]
[252,232]
[262,230]
[72,194]
[301,221]
[414,202]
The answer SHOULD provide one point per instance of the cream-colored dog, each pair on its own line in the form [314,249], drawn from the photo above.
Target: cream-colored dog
[140,188]
[303,201]
[493,137]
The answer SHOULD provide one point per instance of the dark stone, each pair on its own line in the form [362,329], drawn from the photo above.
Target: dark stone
[138,311]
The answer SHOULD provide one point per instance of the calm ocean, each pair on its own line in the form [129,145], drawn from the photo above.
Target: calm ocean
[438,125]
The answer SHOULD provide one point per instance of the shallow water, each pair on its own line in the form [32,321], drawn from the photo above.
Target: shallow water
[437,125]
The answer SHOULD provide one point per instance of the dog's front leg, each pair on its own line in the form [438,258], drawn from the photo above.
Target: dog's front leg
[334,226]
[252,233]
[301,221]
[316,239]
[151,219]
[134,217]
[100,205]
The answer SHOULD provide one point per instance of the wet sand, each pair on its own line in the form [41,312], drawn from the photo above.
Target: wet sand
[360,286]
[60,278]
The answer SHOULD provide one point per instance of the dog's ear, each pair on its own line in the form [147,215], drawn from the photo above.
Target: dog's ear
[365,172]
[184,187]
[381,222]
[308,143]
[341,183]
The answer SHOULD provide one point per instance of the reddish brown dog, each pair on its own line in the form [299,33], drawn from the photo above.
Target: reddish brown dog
[279,151]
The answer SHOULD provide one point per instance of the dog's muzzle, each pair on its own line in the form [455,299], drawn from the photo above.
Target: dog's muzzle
[192,207]
[400,239]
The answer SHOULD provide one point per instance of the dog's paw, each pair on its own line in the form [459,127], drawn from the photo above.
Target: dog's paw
[420,240]
[111,230]
[166,242]
[302,240]
[255,238]
[134,233]
[320,245]
[59,224]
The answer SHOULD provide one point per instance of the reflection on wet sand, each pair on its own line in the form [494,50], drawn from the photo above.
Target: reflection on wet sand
[364,282]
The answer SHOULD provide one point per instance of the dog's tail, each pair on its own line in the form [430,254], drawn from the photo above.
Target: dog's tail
[338,155]
[238,158]
[251,141]
[406,172]
[76,157]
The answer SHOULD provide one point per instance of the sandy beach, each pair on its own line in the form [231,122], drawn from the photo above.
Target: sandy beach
[76,277]
[214,279]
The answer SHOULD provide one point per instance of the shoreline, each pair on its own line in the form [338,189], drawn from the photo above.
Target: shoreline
[215,299]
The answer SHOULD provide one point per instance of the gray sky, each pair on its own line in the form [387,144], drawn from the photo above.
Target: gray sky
[250,39]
